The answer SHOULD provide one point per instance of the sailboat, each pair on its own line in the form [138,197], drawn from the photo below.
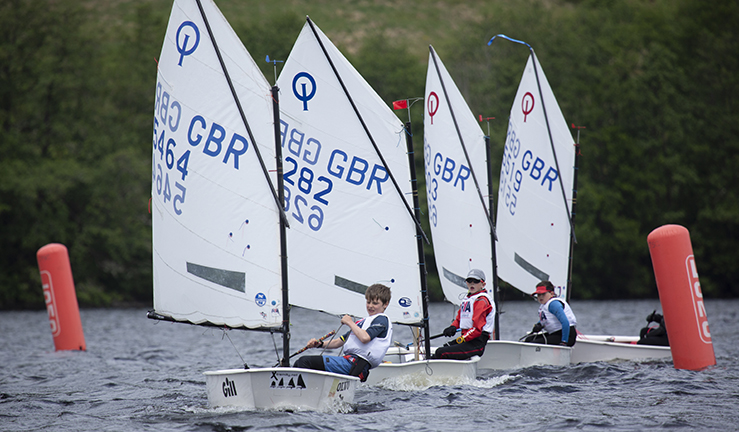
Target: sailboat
[535,222]
[218,225]
[348,191]
[457,163]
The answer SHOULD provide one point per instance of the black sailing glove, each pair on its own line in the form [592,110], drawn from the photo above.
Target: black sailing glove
[449,331]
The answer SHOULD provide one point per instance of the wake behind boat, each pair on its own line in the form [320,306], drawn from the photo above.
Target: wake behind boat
[219,241]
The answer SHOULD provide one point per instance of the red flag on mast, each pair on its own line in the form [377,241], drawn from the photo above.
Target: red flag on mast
[401,104]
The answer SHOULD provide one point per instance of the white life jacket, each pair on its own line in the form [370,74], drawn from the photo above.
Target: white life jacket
[467,312]
[551,323]
[374,350]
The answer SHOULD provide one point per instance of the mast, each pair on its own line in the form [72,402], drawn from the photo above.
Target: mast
[419,239]
[283,235]
[574,212]
[496,290]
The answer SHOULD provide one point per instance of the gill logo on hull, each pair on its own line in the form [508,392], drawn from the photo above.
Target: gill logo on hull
[229,388]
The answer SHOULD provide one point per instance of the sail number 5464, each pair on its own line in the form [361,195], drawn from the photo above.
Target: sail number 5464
[160,178]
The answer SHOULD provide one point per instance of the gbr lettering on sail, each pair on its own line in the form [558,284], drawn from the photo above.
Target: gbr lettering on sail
[522,168]
[170,163]
[309,175]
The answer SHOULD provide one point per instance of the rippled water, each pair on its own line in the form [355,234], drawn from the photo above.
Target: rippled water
[139,374]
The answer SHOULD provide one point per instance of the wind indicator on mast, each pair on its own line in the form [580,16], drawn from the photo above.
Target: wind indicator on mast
[487,120]
[274,64]
[406,104]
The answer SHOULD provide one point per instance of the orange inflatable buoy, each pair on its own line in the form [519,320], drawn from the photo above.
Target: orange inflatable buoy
[681,297]
[60,297]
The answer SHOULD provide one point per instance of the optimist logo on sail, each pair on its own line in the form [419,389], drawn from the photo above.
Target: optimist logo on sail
[302,93]
[432,105]
[527,105]
[184,38]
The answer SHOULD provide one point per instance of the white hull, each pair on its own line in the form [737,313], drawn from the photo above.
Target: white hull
[280,389]
[500,354]
[401,365]
[591,348]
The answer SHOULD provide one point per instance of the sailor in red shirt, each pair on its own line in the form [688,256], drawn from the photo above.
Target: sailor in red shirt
[475,318]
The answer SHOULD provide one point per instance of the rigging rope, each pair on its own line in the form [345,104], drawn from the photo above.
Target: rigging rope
[246,366]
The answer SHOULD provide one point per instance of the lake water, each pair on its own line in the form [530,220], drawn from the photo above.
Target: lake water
[143,375]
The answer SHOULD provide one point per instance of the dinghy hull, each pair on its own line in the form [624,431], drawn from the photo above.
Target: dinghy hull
[400,363]
[501,355]
[280,389]
[591,348]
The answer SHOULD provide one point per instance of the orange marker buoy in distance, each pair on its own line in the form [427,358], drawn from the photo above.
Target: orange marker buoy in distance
[681,298]
[60,297]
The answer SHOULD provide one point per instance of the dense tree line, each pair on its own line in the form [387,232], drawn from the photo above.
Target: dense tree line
[654,83]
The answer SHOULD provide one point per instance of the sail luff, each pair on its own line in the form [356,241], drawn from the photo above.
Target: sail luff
[367,131]
[461,141]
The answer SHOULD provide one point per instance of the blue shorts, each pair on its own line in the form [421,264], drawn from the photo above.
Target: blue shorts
[337,364]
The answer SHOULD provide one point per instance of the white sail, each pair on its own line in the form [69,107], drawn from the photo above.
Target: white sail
[350,227]
[532,222]
[215,219]
[460,229]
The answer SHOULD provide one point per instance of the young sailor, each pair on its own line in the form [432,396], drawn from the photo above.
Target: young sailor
[364,345]
[476,319]
[555,317]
